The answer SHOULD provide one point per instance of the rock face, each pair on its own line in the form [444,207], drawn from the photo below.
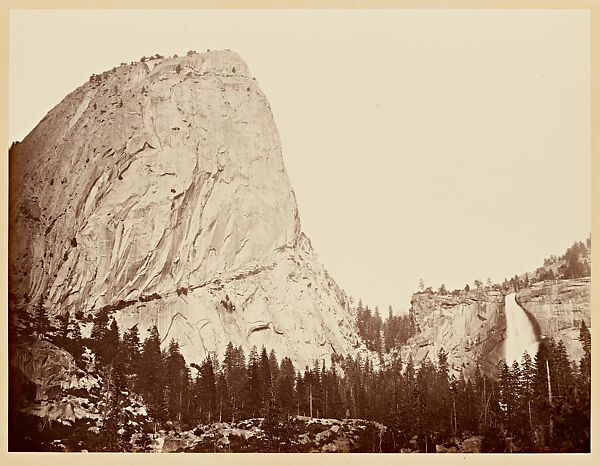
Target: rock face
[52,370]
[558,307]
[158,190]
[470,328]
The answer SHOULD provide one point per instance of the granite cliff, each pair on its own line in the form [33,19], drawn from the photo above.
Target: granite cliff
[471,326]
[157,191]
[558,307]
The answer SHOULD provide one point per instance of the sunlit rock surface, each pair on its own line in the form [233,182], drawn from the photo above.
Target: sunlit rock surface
[158,190]
[470,328]
[52,369]
[558,307]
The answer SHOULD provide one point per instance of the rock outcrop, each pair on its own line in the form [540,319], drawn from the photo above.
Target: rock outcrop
[558,307]
[470,327]
[158,191]
[51,369]
[57,381]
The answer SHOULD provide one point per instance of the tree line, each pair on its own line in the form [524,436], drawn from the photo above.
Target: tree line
[383,336]
[574,263]
[540,404]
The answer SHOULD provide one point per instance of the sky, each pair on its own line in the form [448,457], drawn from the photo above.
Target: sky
[441,145]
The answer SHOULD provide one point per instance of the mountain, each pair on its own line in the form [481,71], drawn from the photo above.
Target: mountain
[157,192]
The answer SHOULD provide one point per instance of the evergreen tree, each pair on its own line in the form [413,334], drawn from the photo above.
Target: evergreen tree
[273,366]
[527,393]
[264,381]
[427,405]
[176,380]
[389,331]
[222,389]
[152,381]
[111,343]
[208,392]
[130,349]
[562,375]
[285,387]
[63,331]
[441,400]
[41,321]
[234,371]
[253,384]
[585,365]
[98,335]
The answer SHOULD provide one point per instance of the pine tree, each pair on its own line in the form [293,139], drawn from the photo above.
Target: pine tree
[562,375]
[442,402]
[506,396]
[176,380]
[223,406]
[264,381]
[152,375]
[234,371]
[130,349]
[253,385]
[376,332]
[63,331]
[273,366]
[98,335]
[111,343]
[41,320]
[285,387]
[585,365]
[207,392]
[527,393]
[301,398]
[388,331]
[427,405]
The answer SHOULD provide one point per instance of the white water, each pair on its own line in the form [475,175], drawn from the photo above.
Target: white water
[520,335]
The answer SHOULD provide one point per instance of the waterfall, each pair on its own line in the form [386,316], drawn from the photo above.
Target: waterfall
[520,335]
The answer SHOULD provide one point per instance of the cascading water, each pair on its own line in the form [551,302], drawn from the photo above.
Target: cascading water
[520,334]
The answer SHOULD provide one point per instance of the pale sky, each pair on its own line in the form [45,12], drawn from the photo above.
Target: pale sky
[443,145]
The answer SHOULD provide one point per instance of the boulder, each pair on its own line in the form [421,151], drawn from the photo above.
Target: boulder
[172,444]
[471,445]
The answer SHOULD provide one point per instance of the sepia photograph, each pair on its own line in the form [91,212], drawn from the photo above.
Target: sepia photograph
[299,231]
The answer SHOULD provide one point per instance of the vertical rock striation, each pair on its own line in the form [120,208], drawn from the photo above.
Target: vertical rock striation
[158,190]
[470,327]
[559,307]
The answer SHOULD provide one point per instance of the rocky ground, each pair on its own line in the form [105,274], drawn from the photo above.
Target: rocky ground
[298,434]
